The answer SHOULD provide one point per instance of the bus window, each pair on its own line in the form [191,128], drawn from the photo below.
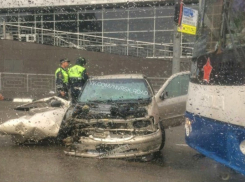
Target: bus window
[235,31]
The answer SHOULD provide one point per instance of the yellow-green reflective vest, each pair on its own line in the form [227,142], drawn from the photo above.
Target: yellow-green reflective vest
[76,71]
[64,75]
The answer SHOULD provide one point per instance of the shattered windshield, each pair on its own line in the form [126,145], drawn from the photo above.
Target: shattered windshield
[115,90]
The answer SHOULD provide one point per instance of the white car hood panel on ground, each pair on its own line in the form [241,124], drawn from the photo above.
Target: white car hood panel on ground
[39,124]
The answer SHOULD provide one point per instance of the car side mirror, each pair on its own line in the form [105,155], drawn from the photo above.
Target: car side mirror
[163,95]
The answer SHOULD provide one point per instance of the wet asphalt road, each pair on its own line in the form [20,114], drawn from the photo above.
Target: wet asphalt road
[39,163]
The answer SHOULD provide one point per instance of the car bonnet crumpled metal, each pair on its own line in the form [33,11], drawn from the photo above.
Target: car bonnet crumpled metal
[39,123]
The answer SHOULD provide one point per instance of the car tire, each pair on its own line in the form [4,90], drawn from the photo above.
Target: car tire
[163,136]
[158,154]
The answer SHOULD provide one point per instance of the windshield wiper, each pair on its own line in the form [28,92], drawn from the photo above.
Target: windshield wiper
[123,100]
[136,100]
[100,101]
[97,101]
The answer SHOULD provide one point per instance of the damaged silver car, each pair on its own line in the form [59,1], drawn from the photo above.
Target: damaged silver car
[115,117]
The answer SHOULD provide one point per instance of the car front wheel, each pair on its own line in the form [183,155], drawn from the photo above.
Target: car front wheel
[163,136]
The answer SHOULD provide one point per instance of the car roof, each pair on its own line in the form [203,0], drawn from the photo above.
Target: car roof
[119,76]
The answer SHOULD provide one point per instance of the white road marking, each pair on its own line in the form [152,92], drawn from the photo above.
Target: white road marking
[183,145]
[22,100]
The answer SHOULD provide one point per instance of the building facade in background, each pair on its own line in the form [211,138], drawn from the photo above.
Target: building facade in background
[147,21]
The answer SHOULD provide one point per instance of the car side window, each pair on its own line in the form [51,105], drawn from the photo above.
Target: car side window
[184,83]
[173,88]
[178,86]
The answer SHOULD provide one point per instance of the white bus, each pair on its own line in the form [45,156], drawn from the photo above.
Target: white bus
[215,112]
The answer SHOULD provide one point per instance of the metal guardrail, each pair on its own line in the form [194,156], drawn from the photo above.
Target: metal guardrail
[30,82]
[93,42]
[26,82]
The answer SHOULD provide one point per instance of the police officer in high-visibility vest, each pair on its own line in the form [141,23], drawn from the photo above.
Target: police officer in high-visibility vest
[62,79]
[77,78]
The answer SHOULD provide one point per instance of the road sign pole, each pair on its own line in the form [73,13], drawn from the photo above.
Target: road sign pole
[176,46]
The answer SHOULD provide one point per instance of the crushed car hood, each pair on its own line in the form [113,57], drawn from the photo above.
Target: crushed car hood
[42,121]
[115,130]
[116,110]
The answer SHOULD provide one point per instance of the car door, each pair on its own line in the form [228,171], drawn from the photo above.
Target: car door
[172,96]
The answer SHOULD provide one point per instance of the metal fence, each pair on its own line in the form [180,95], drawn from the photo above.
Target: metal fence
[26,82]
[44,83]
[93,42]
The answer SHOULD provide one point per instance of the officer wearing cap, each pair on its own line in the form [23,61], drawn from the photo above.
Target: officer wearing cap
[77,77]
[62,79]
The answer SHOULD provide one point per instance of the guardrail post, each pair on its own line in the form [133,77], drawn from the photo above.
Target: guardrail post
[110,45]
[127,31]
[54,84]
[165,51]
[154,34]
[54,28]
[153,50]
[0,81]
[27,82]
[137,48]
[4,30]
[19,31]
[42,29]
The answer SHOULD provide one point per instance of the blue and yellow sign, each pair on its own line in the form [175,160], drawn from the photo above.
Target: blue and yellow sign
[187,29]
[189,21]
